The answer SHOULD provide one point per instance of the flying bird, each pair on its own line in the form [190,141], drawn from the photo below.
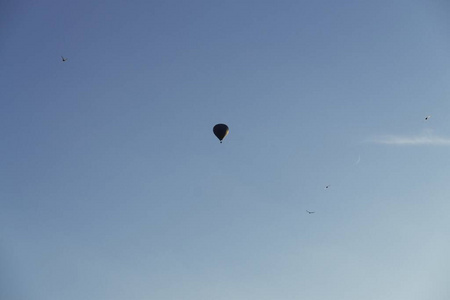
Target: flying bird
[327,186]
[310,212]
[427,117]
[63,58]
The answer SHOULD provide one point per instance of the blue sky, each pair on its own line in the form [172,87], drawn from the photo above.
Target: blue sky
[113,185]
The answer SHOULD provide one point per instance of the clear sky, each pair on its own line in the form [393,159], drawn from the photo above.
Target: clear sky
[113,186]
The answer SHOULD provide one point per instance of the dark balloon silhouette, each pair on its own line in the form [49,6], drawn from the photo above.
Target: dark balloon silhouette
[221,131]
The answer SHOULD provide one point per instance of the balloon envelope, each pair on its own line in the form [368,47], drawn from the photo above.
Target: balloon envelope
[221,131]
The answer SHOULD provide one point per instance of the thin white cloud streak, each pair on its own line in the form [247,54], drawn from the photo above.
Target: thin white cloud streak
[423,139]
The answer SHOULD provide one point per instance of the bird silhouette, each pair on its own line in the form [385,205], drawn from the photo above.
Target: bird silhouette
[427,117]
[327,186]
[310,212]
[63,58]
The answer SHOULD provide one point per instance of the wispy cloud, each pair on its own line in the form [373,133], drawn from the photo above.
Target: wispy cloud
[426,138]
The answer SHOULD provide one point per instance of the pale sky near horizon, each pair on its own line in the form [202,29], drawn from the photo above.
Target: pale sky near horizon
[114,187]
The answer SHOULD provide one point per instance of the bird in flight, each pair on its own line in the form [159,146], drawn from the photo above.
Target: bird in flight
[327,186]
[427,117]
[63,58]
[310,212]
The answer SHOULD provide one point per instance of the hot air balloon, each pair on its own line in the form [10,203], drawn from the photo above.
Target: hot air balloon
[221,131]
